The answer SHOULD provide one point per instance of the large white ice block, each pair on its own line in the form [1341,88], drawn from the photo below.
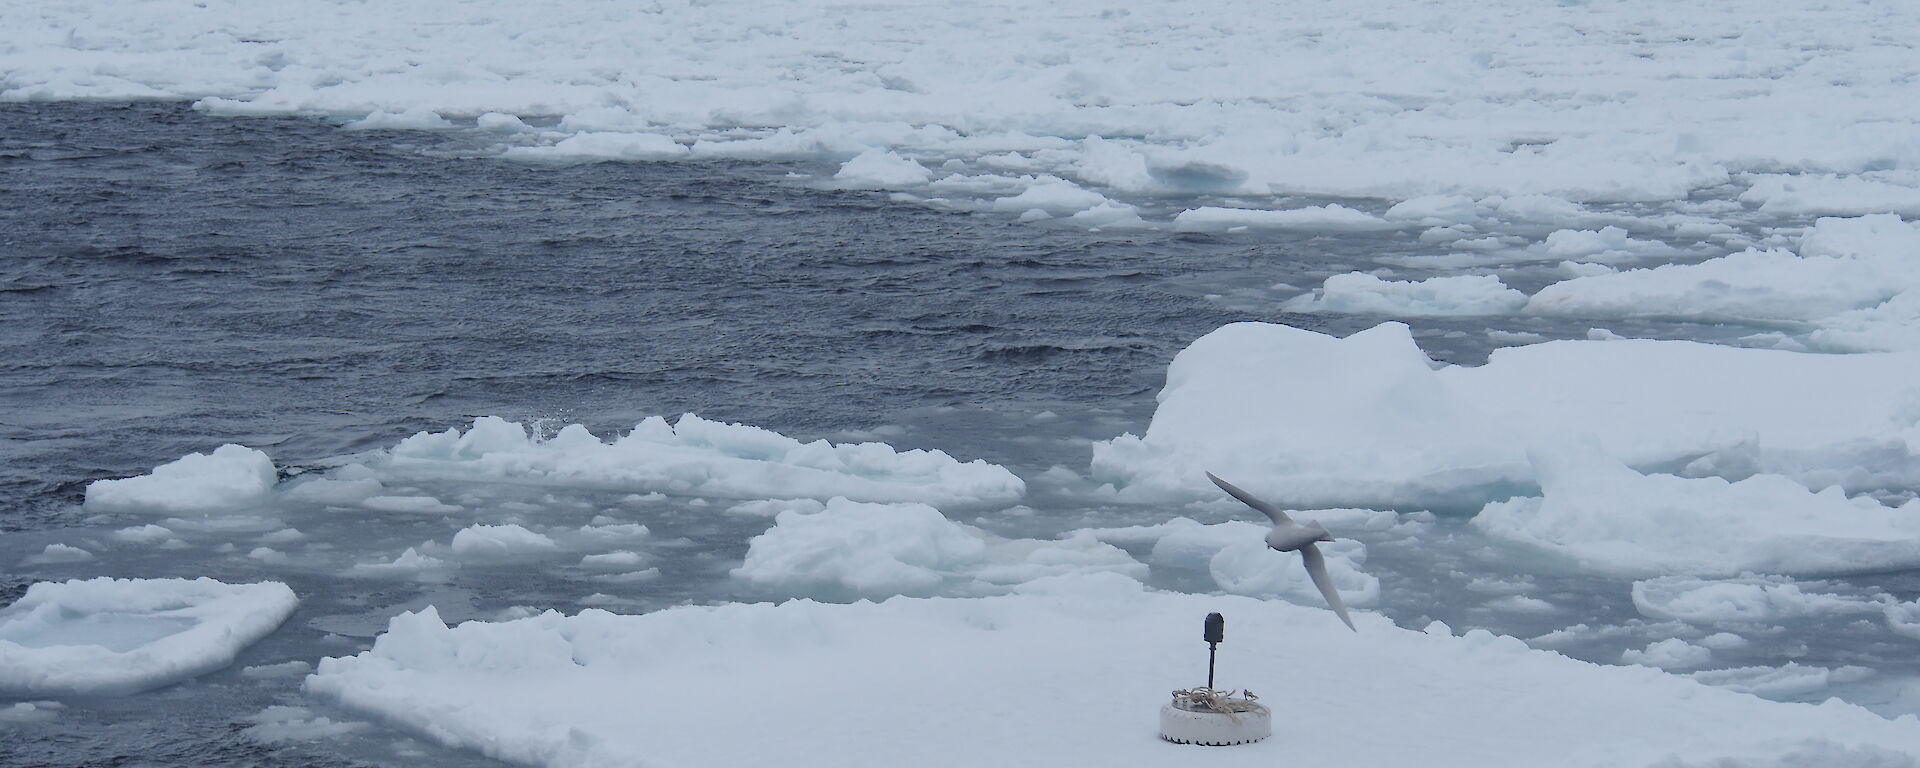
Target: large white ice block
[1310,420]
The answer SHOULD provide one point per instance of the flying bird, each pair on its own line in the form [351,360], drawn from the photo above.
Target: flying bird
[1289,536]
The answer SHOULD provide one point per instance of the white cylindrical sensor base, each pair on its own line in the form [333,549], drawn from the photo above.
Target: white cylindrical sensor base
[1214,729]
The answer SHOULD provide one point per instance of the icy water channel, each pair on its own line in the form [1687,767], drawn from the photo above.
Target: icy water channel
[170,282]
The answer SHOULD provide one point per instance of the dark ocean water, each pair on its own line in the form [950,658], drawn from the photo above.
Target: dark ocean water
[171,281]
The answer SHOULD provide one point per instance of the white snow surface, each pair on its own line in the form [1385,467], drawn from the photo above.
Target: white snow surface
[674,688]
[697,457]
[230,478]
[109,637]
[1309,420]
[1634,100]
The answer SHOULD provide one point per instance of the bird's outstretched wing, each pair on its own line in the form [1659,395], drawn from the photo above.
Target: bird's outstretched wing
[1272,512]
[1317,570]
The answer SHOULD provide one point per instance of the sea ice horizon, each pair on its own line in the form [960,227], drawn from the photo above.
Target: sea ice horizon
[864,397]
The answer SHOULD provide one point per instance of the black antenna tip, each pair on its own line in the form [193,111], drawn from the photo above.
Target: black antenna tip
[1216,628]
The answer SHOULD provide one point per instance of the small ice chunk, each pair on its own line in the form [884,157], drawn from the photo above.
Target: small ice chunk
[1054,196]
[1520,604]
[623,560]
[413,119]
[1331,217]
[410,564]
[426,505]
[606,534]
[881,169]
[1672,653]
[1606,242]
[871,550]
[499,122]
[604,145]
[285,669]
[232,477]
[58,553]
[1362,293]
[495,543]
[773,507]
[143,534]
[280,724]
[30,712]
[268,555]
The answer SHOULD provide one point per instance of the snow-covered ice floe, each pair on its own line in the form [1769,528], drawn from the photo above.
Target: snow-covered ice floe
[876,550]
[118,636]
[1361,293]
[230,478]
[1746,599]
[692,457]
[1067,672]
[1607,517]
[1235,555]
[1311,420]
[698,457]
[1854,282]
[1619,101]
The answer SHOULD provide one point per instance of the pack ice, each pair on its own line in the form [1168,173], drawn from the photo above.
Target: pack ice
[1067,672]
[1629,101]
[108,637]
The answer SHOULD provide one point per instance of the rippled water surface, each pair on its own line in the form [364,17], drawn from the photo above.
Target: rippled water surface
[171,281]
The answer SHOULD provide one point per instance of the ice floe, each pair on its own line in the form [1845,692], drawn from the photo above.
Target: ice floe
[1235,555]
[599,689]
[230,478]
[57,553]
[109,636]
[1785,681]
[1671,653]
[1748,599]
[1607,517]
[1332,217]
[1311,420]
[856,549]
[1855,281]
[1362,293]
[500,543]
[696,457]
[881,169]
